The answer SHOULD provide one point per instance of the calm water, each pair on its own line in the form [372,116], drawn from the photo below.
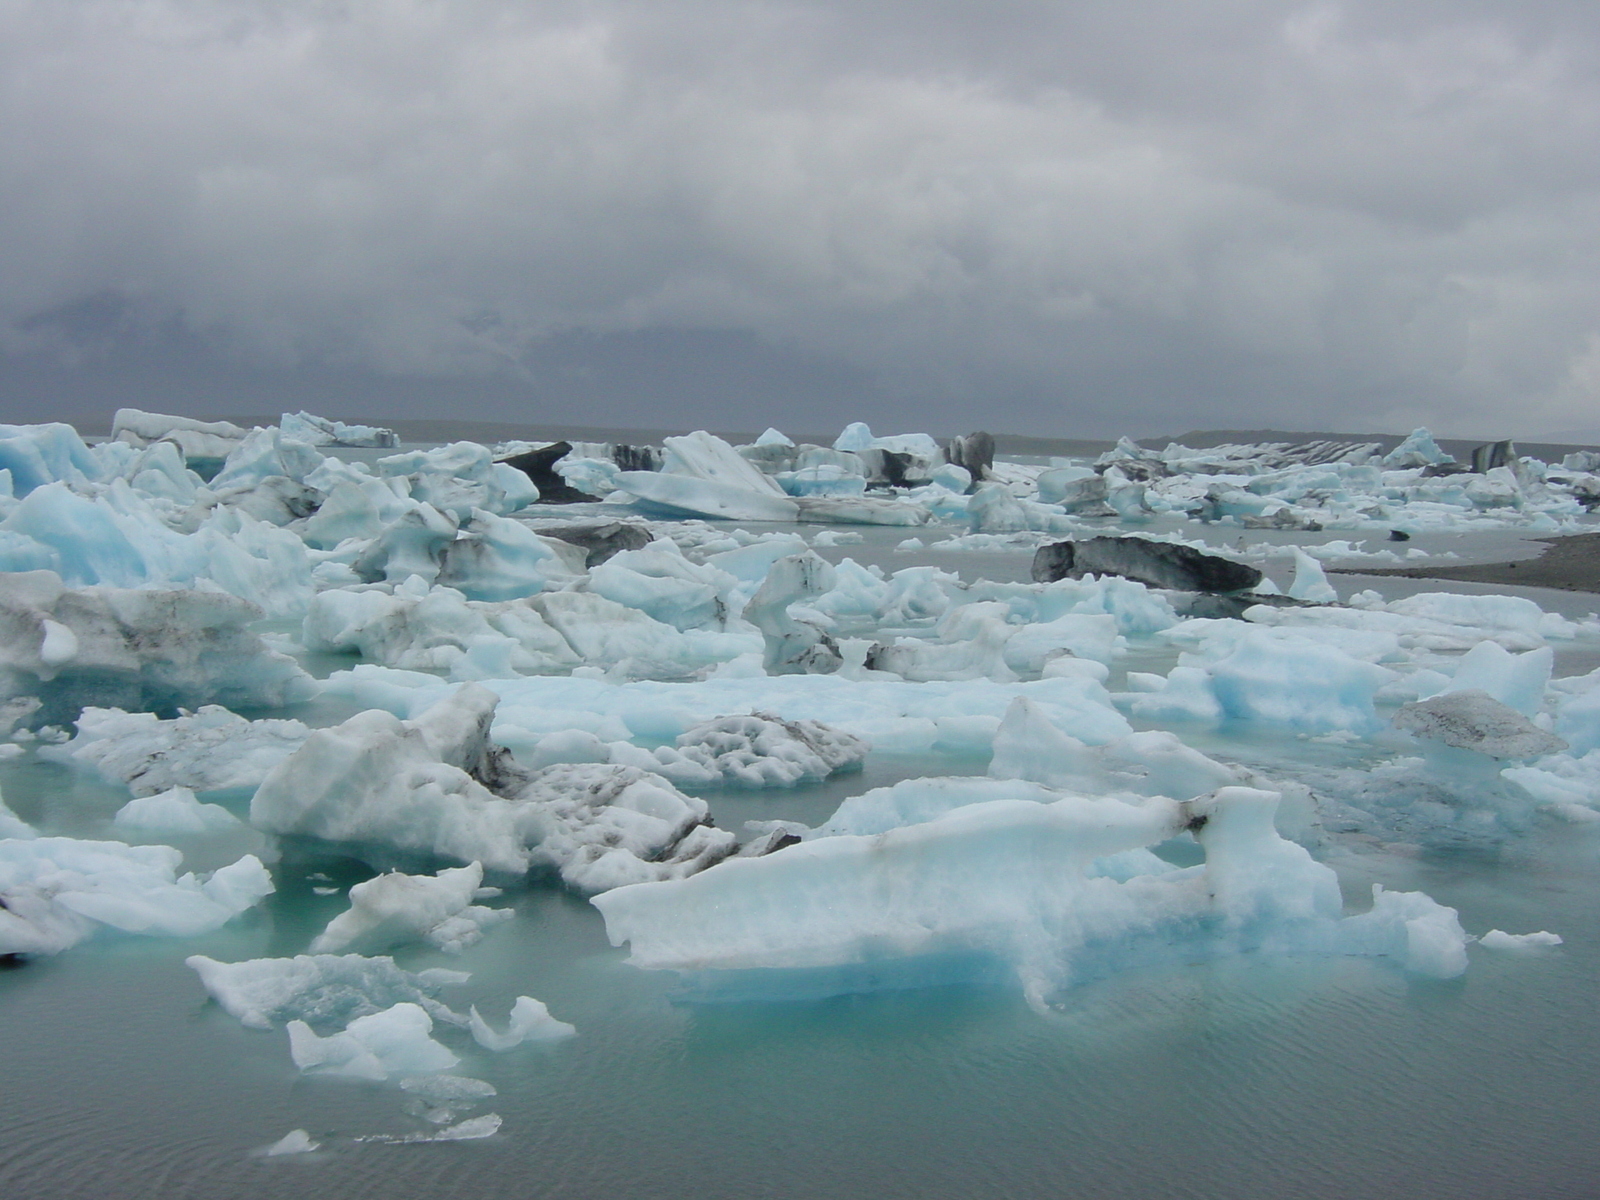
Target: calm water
[1331,1078]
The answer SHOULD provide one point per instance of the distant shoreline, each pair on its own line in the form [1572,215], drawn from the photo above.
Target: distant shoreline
[424,429]
[1568,564]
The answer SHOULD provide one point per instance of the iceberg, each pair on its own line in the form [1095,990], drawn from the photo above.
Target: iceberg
[390,909]
[416,627]
[601,826]
[1009,887]
[631,642]
[210,749]
[395,1041]
[134,648]
[679,495]
[56,891]
[319,431]
[116,538]
[530,1022]
[207,441]
[703,475]
[1155,564]
[1473,720]
[437,786]
[381,780]
[761,750]
[458,479]
[173,813]
[793,646]
[34,455]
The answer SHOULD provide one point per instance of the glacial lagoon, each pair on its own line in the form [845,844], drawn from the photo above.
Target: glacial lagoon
[1176,1062]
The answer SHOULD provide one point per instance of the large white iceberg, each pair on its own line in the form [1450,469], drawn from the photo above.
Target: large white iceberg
[381,780]
[1011,886]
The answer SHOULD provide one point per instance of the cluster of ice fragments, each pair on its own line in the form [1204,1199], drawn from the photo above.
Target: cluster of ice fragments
[516,694]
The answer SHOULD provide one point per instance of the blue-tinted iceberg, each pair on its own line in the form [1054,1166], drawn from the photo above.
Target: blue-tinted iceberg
[135,648]
[1011,887]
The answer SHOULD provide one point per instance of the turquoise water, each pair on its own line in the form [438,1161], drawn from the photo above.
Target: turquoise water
[1235,1078]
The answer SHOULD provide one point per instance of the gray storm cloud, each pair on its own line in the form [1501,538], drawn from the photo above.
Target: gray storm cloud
[1238,213]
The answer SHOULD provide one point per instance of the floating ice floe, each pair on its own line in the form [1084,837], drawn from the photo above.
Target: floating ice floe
[530,1021]
[56,891]
[173,812]
[210,749]
[393,1041]
[1009,887]
[296,1141]
[394,908]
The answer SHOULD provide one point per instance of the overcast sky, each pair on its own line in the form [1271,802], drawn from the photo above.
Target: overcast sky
[1077,219]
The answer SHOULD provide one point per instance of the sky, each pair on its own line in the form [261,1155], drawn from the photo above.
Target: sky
[1069,219]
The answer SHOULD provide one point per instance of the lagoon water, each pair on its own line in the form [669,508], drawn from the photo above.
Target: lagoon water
[1228,1079]
[1324,1078]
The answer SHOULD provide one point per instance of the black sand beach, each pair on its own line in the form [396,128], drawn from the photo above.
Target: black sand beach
[1570,564]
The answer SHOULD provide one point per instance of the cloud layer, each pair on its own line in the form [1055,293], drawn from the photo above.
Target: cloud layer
[1145,216]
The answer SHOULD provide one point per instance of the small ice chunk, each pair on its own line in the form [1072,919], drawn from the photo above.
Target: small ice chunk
[530,1022]
[1498,939]
[175,811]
[1310,583]
[296,1141]
[394,1041]
[389,909]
